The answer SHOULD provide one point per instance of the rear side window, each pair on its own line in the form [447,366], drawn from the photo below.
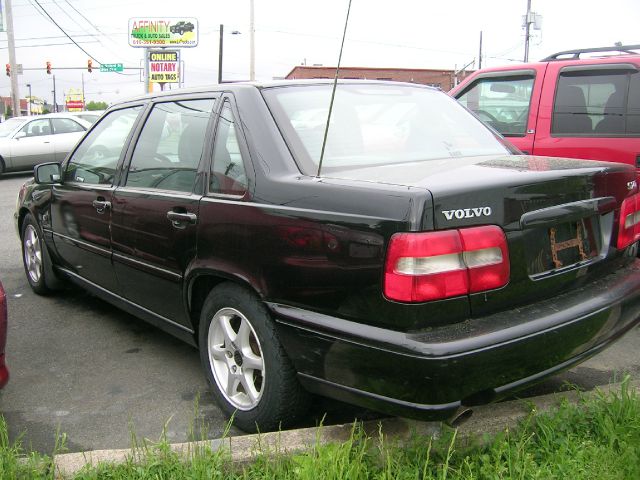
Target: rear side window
[597,103]
[501,102]
[66,125]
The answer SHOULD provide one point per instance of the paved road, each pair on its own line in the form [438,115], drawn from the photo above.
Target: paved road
[82,367]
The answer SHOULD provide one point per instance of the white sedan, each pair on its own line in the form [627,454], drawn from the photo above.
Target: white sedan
[27,141]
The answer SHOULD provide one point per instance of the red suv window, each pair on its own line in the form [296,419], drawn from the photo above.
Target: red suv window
[597,103]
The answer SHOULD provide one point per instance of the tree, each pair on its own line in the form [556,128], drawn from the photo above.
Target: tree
[91,106]
[9,112]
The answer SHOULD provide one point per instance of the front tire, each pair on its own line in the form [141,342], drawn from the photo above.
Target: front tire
[252,378]
[35,258]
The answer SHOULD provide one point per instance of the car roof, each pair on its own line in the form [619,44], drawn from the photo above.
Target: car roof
[238,86]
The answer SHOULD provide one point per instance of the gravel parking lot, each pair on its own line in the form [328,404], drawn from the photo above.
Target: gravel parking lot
[82,367]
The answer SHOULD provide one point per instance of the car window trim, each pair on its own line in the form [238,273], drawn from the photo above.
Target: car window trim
[249,169]
[620,67]
[198,187]
[528,72]
[506,75]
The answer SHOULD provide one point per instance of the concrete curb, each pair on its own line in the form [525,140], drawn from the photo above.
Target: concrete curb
[486,419]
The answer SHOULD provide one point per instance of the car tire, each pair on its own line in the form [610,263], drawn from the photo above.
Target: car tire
[36,260]
[253,380]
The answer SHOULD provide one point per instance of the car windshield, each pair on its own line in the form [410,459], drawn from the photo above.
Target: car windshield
[10,125]
[377,124]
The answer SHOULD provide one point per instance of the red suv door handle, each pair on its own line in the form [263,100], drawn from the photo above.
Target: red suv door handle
[180,220]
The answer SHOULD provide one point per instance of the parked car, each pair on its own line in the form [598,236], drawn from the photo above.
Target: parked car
[90,116]
[414,264]
[571,104]
[4,371]
[27,141]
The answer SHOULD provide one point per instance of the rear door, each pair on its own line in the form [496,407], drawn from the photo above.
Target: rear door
[507,101]
[155,208]
[591,111]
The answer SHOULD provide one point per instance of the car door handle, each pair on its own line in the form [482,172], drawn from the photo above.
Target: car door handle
[180,220]
[101,205]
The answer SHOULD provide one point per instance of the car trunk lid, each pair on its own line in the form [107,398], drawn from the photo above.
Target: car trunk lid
[560,216]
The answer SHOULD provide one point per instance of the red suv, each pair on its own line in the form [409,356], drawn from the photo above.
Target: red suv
[565,105]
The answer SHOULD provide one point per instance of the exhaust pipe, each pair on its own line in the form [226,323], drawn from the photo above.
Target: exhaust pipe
[462,415]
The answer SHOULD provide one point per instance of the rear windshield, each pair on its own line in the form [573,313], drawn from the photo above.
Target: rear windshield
[377,125]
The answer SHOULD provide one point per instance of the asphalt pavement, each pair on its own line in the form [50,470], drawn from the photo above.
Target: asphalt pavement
[83,368]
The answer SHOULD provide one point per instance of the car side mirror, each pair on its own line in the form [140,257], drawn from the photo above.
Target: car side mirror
[19,135]
[47,173]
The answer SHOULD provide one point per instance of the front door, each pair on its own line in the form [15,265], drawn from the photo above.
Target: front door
[81,205]
[155,210]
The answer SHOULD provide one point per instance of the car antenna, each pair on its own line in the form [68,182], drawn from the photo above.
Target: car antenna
[333,92]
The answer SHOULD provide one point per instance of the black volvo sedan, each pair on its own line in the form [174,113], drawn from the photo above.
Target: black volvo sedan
[404,257]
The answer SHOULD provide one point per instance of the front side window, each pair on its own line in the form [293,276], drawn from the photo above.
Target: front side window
[37,128]
[377,125]
[96,158]
[502,102]
[228,174]
[170,146]
[596,103]
[66,125]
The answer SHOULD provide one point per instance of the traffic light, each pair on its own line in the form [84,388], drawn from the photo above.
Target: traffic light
[89,65]
[49,68]
[8,66]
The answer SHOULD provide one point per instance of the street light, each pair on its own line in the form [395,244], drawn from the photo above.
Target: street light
[233,32]
[29,104]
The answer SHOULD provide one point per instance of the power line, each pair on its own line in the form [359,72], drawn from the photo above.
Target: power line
[46,45]
[72,40]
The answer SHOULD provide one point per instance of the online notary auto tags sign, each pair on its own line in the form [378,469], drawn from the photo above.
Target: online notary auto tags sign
[163,32]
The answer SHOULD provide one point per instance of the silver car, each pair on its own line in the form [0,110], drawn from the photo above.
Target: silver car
[27,141]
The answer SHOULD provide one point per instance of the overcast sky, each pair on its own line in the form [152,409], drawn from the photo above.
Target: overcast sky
[399,33]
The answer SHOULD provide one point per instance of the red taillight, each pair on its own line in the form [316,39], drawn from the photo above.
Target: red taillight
[435,265]
[629,225]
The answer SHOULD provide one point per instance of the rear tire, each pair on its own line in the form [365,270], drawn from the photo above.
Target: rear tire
[253,380]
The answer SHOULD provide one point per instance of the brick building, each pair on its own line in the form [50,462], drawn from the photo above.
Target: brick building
[5,106]
[443,79]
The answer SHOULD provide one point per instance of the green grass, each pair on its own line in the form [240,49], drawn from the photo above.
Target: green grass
[599,438]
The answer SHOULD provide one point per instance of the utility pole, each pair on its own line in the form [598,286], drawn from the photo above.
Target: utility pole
[55,101]
[84,100]
[480,52]
[252,45]
[15,93]
[29,104]
[527,34]
[147,83]
[220,54]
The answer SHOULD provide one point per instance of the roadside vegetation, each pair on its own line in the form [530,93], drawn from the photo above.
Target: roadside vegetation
[599,438]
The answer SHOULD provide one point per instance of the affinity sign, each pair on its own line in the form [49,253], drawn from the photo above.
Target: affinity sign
[163,32]
[164,66]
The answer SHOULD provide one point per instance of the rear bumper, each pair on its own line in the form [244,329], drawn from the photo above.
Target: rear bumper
[431,374]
